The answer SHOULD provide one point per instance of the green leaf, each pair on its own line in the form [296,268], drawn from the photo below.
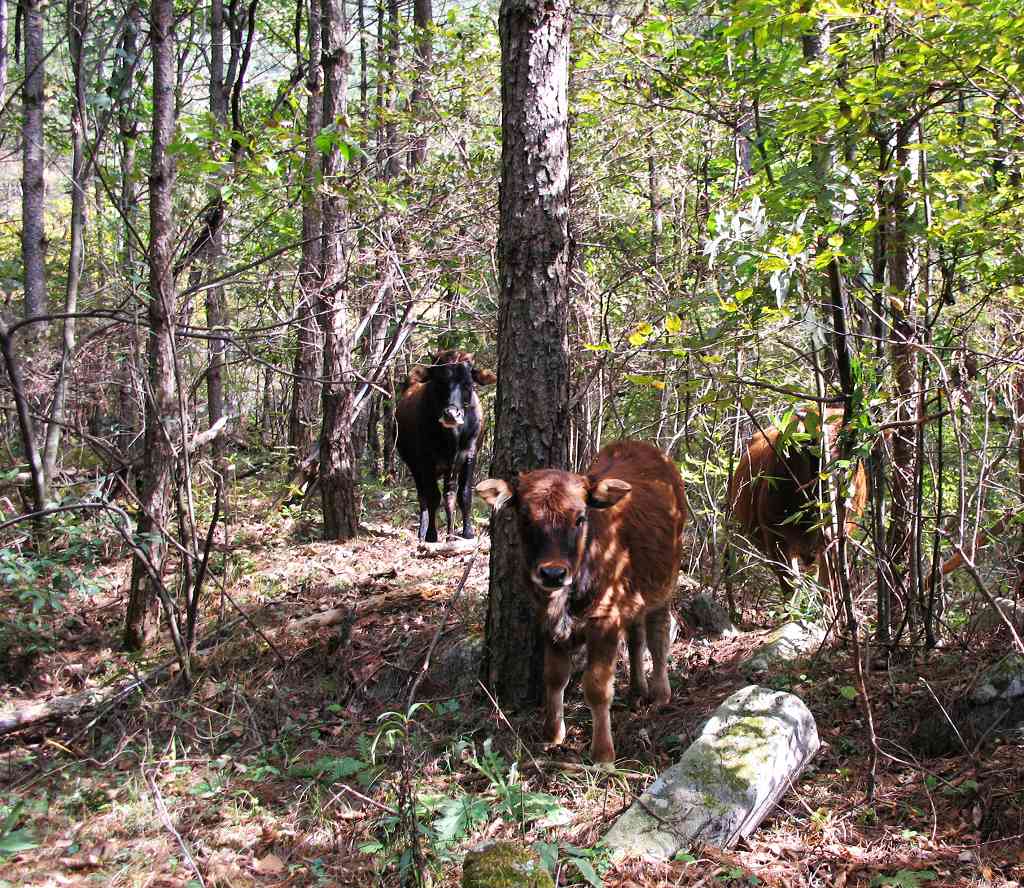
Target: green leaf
[586,869]
[17,841]
[848,692]
[673,323]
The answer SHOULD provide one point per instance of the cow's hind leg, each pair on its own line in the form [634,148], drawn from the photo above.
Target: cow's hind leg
[599,687]
[557,669]
[658,630]
[636,637]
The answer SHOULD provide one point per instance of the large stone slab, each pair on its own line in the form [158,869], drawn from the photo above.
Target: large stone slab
[751,750]
[1003,681]
[988,619]
[707,614]
[791,641]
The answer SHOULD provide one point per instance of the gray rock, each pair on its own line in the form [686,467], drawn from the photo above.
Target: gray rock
[751,750]
[1003,681]
[791,641]
[988,620]
[504,865]
[707,614]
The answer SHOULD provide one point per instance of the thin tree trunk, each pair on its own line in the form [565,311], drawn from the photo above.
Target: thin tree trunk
[533,353]
[216,303]
[161,406]
[3,51]
[302,416]
[337,462]
[423,18]
[129,372]
[33,186]
[77,23]
[904,361]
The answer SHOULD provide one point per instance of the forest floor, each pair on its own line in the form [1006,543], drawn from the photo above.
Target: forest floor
[292,762]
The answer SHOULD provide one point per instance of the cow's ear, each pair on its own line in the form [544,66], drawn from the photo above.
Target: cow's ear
[417,375]
[495,492]
[607,492]
[484,377]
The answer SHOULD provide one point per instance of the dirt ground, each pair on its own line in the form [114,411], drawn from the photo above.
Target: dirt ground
[292,761]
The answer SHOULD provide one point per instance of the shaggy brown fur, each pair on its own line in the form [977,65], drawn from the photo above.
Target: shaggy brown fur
[774,493]
[601,553]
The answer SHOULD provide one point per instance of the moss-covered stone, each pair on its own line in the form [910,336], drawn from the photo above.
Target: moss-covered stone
[746,757]
[504,865]
[1003,681]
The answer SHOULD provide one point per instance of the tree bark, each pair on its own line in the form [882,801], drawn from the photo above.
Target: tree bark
[216,302]
[33,186]
[337,461]
[77,23]
[531,422]
[162,417]
[904,362]
[423,18]
[3,51]
[302,416]
[129,371]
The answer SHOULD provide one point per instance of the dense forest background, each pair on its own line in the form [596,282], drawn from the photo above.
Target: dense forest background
[230,230]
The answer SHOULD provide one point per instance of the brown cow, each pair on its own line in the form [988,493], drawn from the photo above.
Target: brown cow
[774,496]
[601,553]
[439,423]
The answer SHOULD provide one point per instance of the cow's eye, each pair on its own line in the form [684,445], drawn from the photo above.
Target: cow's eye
[581,520]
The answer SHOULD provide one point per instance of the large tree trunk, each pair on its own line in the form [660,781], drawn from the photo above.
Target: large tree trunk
[161,407]
[531,424]
[302,416]
[33,186]
[337,461]
[77,23]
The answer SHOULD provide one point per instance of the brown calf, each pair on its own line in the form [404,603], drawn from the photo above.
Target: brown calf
[774,497]
[601,553]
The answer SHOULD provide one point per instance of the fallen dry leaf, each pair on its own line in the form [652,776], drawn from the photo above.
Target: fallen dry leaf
[271,865]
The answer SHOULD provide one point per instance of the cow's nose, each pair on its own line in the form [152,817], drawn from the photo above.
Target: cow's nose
[453,415]
[552,576]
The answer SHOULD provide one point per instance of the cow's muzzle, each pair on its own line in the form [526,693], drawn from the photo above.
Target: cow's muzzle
[453,417]
[552,577]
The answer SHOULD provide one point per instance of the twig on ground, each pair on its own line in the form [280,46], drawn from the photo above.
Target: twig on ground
[165,818]
[425,665]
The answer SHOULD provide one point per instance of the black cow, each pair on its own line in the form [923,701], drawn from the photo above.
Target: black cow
[439,423]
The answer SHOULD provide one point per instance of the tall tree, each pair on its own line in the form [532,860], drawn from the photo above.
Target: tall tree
[216,304]
[302,414]
[77,21]
[33,185]
[162,413]
[337,459]
[423,19]
[531,424]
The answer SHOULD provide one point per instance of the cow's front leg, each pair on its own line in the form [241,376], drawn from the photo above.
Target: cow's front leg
[637,639]
[557,669]
[466,495]
[658,630]
[450,476]
[599,687]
